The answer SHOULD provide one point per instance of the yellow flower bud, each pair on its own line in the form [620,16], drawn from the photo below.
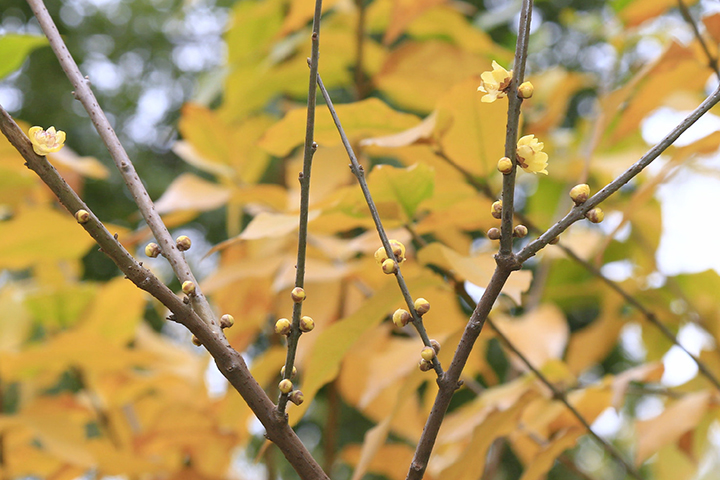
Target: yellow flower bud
[389,266]
[422,306]
[82,216]
[493,234]
[595,215]
[435,345]
[292,375]
[525,90]
[183,243]
[307,324]
[580,193]
[398,250]
[283,326]
[188,287]
[285,385]
[424,365]
[427,354]
[401,317]
[496,209]
[520,231]
[227,321]
[504,165]
[298,295]
[46,141]
[296,397]
[380,255]
[152,250]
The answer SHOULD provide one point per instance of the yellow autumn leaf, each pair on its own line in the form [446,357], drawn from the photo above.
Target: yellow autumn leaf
[471,133]
[23,243]
[678,418]
[477,269]
[545,460]
[190,192]
[363,119]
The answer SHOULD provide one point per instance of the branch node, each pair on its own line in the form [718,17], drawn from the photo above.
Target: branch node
[508,262]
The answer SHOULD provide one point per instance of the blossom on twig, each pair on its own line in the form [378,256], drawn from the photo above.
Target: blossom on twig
[46,141]
[530,155]
[495,84]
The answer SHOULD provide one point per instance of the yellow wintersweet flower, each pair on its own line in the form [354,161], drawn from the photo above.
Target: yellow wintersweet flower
[495,84]
[530,155]
[46,141]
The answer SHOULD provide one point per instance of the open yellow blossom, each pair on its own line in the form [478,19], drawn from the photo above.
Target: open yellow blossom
[495,84]
[46,141]
[530,155]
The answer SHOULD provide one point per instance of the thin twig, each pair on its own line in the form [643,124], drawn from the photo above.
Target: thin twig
[359,173]
[228,361]
[629,298]
[359,75]
[84,93]
[578,212]
[560,395]
[304,178]
[712,60]
[511,132]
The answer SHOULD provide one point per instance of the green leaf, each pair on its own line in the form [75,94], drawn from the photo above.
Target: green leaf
[14,49]
[406,186]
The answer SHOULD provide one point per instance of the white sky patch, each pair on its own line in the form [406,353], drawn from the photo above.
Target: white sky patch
[215,382]
[679,367]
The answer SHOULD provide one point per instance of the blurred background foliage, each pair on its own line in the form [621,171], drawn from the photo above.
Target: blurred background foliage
[148,59]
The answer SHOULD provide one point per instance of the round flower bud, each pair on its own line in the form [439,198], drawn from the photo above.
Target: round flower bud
[595,215]
[422,306]
[398,250]
[82,216]
[183,243]
[227,321]
[505,165]
[554,241]
[496,209]
[152,250]
[435,345]
[283,326]
[196,341]
[427,354]
[292,375]
[520,231]
[296,397]
[424,365]
[389,266]
[188,287]
[298,295]
[525,90]
[493,234]
[307,324]
[580,193]
[380,255]
[285,386]
[401,317]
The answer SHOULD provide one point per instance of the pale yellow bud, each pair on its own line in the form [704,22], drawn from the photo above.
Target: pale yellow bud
[427,354]
[307,324]
[435,345]
[298,295]
[183,243]
[380,255]
[82,216]
[505,165]
[188,287]
[292,375]
[283,326]
[580,193]
[496,209]
[389,266]
[520,231]
[525,90]
[595,215]
[152,250]
[227,321]
[296,397]
[424,365]
[401,317]
[285,386]
[422,306]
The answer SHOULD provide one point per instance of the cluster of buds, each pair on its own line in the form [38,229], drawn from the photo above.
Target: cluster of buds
[402,317]
[390,265]
[286,387]
[427,355]
[579,194]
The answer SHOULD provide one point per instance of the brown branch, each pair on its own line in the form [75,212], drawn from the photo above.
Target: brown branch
[304,178]
[85,95]
[228,361]
[359,173]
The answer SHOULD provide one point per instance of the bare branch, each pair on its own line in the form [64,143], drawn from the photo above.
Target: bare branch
[359,173]
[304,178]
[84,93]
